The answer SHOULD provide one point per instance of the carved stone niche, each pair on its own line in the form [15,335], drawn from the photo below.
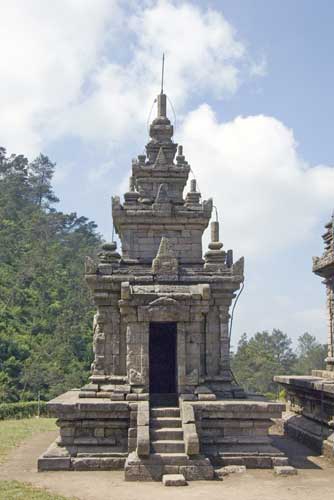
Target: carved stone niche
[164,309]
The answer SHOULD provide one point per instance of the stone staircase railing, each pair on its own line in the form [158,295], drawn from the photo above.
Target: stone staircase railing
[143,429]
[190,436]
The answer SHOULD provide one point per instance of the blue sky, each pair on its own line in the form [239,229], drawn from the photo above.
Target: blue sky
[251,82]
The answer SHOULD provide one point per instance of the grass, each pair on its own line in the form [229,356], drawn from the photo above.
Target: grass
[13,432]
[14,490]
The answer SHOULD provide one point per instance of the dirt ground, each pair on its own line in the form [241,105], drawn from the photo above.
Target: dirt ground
[315,479]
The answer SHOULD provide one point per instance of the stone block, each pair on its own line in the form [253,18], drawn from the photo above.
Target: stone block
[85,463]
[285,470]
[99,432]
[229,469]
[67,431]
[132,397]
[171,469]
[174,480]
[143,396]
[117,396]
[207,397]
[197,472]
[279,461]
[46,464]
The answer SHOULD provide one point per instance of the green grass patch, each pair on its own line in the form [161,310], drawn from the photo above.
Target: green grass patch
[13,432]
[14,490]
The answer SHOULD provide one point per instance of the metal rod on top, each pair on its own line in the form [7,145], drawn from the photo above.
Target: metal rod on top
[162,73]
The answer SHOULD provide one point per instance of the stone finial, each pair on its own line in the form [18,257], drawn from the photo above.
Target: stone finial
[131,197]
[180,158]
[109,254]
[193,197]
[215,257]
[165,262]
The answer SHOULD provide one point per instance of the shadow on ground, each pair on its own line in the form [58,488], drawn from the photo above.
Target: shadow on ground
[300,456]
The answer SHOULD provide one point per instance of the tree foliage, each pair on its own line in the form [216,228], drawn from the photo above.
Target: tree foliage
[45,308]
[264,355]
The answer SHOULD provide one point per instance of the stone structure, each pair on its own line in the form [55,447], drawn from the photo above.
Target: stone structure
[312,397]
[161,399]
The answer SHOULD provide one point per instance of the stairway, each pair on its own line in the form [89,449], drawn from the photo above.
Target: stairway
[167,453]
[166,431]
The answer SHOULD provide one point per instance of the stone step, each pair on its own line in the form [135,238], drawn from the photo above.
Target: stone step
[171,433]
[163,422]
[169,458]
[167,411]
[167,446]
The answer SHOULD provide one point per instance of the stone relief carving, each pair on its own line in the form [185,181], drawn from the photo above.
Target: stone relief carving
[98,345]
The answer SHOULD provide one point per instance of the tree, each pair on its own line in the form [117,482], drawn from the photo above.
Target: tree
[311,355]
[45,307]
[261,357]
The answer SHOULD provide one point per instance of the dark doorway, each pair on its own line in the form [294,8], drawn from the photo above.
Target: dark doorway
[162,358]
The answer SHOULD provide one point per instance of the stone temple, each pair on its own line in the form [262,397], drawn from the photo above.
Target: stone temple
[311,397]
[161,397]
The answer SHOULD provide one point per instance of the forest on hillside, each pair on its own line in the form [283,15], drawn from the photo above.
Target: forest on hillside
[46,311]
[45,308]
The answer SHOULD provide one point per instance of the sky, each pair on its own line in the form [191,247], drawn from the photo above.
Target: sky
[251,83]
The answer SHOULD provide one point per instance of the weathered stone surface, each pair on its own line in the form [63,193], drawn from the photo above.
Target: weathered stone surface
[45,464]
[174,480]
[229,469]
[285,470]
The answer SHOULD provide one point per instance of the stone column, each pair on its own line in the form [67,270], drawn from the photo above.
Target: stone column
[181,356]
[213,342]
[330,308]
[112,342]
[224,340]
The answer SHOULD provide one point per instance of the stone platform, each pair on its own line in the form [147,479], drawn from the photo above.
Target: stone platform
[148,442]
[311,401]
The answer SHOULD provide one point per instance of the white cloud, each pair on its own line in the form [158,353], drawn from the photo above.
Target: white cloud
[268,197]
[47,50]
[91,69]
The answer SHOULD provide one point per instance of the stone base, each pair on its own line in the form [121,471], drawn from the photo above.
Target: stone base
[251,457]
[93,434]
[312,409]
[80,458]
[103,434]
[237,432]
[156,465]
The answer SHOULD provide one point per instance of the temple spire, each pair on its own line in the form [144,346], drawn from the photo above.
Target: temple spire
[162,98]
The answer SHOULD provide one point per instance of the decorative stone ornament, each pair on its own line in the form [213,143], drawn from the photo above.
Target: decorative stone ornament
[165,263]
